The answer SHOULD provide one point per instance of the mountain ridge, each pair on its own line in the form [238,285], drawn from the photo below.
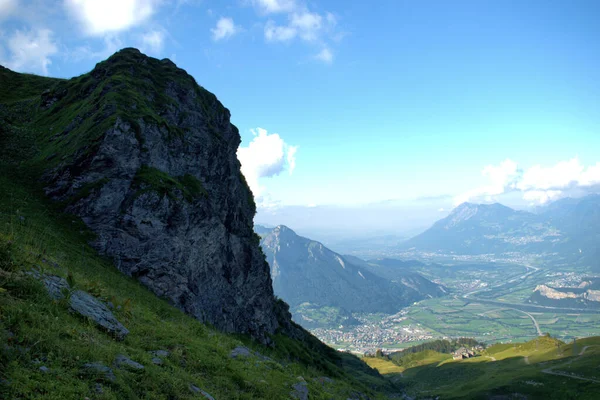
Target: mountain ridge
[304,270]
[567,227]
[141,152]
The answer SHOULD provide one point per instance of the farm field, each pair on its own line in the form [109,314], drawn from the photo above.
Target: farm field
[492,323]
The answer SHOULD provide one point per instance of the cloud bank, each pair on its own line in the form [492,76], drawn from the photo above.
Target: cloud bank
[267,155]
[537,184]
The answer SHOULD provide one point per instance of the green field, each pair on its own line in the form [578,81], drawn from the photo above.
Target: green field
[543,368]
[491,323]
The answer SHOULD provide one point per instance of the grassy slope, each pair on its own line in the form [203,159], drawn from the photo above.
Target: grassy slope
[35,331]
[505,369]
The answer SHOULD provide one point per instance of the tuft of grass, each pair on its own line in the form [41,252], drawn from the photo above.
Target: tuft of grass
[152,179]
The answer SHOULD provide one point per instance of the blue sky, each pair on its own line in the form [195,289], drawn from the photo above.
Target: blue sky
[363,104]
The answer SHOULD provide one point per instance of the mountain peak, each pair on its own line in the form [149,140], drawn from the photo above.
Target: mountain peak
[137,132]
[283,231]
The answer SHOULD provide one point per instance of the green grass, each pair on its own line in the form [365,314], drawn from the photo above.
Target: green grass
[152,179]
[383,365]
[34,234]
[504,369]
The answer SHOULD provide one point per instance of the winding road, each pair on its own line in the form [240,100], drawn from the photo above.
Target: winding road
[568,375]
[537,327]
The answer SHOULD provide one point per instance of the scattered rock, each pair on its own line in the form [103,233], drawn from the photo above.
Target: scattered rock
[300,391]
[159,353]
[83,303]
[44,369]
[240,351]
[195,389]
[98,388]
[55,285]
[323,380]
[124,361]
[88,306]
[101,369]
[358,396]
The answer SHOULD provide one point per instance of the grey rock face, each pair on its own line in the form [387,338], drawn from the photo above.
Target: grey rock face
[55,286]
[300,391]
[197,250]
[88,306]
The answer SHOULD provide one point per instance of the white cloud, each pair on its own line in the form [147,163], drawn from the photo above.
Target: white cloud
[225,29]
[541,196]
[538,184]
[153,42]
[108,16]
[30,51]
[7,8]
[325,55]
[502,176]
[274,6]
[305,25]
[291,158]
[267,155]
[308,24]
[561,175]
[274,33]
[317,29]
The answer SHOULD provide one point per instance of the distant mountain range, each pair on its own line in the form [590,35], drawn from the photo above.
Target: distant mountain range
[305,271]
[569,227]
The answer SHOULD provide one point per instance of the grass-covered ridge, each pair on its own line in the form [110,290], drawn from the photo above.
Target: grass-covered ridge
[543,368]
[69,116]
[36,331]
[47,123]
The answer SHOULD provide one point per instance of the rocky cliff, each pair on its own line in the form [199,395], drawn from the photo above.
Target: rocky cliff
[147,158]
